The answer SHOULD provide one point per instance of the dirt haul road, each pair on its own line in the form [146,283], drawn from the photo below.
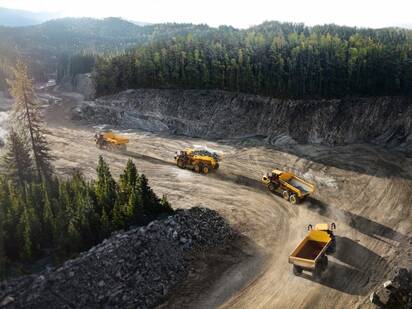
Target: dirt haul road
[365,190]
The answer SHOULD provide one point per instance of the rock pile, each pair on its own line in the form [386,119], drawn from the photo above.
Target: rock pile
[395,293]
[133,269]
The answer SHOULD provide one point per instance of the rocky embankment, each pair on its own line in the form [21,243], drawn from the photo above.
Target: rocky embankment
[219,114]
[133,269]
[81,83]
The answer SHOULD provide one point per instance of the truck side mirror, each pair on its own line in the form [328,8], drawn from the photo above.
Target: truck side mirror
[333,226]
[310,227]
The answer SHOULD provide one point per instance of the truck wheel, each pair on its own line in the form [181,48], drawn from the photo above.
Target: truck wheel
[180,163]
[205,170]
[324,263]
[293,199]
[332,247]
[297,271]
[197,168]
[271,187]
[317,273]
[285,195]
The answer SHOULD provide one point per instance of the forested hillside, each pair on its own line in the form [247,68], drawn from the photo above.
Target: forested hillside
[272,59]
[55,41]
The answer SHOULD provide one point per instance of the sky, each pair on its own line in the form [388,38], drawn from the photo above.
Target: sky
[237,13]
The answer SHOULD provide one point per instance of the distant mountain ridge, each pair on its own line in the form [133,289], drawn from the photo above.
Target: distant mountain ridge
[20,18]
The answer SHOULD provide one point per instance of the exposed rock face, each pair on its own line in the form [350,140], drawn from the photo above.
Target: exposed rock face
[134,269]
[81,83]
[218,114]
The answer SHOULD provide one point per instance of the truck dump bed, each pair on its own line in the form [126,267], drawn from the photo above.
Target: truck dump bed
[310,249]
[115,139]
[300,186]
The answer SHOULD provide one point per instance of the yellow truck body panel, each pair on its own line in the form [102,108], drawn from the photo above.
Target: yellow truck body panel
[297,185]
[310,249]
[202,158]
[115,139]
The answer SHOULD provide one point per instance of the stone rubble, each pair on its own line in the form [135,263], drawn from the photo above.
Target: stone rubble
[395,293]
[133,269]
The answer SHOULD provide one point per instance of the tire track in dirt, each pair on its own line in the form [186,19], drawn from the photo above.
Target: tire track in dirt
[366,191]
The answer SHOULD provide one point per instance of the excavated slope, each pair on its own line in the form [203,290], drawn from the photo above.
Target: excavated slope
[218,114]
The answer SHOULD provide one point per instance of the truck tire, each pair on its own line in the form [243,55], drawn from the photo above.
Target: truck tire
[293,199]
[317,273]
[205,169]
[285,195]
[332,247]
[197,168]
[180,163]
[297,271]
[324,263]
[272,187]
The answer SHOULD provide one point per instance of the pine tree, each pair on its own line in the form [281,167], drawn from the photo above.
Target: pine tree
[14,210]
[3,257]
[149,199]
[26,246]
[165,206]
[105,225]
[129,177]
[48,219]
[16,161]
[119,217]
[105,187]
[135,211]
[27,117]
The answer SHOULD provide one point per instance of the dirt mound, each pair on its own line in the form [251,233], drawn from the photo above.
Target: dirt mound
[131,269]
[218,114]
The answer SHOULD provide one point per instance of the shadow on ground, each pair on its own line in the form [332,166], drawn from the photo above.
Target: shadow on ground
[357,222]
[351,269]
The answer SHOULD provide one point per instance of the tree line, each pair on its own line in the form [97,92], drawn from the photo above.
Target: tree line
[42,215]
[273,59]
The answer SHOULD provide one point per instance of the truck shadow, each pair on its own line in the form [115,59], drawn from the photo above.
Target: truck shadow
[367,159]
[239,180]
[356,271]
[149,159]
[357,222]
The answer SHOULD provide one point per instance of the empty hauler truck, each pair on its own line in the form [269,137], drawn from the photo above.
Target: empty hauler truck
[310,254]
[291,187]
[111,141]
[200,160]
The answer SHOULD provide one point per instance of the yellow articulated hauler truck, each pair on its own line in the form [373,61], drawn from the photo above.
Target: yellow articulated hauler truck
[199,160]
[291,187]
[310,254]
[111,141]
